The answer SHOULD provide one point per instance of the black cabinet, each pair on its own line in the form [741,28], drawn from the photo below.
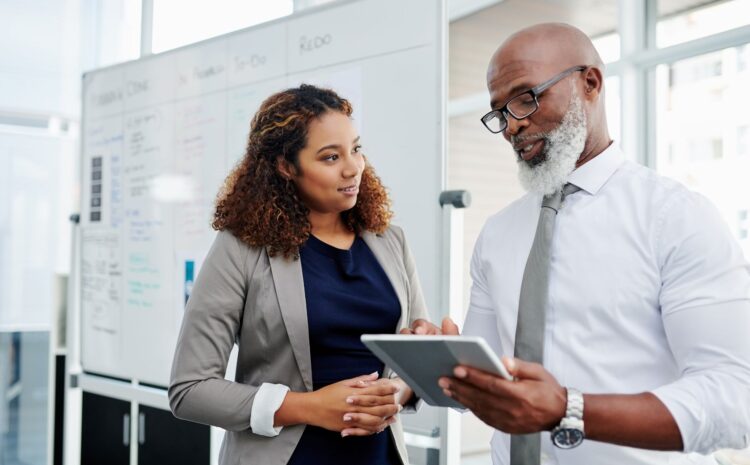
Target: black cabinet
[162,439]
[105,431]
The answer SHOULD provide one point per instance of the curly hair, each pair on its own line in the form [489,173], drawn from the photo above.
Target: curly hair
[262,208]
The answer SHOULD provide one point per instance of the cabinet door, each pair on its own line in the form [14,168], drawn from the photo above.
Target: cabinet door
[162,438]
[105,431]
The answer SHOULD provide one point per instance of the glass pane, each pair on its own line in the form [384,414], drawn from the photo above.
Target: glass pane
[117,33]
[24,398]
[608,47]
[181,22]
[684,20]
[36,198]
[474,38]
[612,104]
[703,132]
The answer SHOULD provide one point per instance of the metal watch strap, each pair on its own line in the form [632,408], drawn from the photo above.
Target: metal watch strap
[574,408]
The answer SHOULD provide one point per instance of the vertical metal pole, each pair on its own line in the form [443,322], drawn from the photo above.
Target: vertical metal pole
[147,27]
[453,203]
[73,396]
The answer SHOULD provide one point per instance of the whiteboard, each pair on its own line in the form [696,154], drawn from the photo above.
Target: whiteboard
[160,134]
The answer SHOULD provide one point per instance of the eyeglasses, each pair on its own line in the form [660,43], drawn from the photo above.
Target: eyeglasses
[523,105]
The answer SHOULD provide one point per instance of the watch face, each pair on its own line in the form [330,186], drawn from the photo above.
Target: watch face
[567,438]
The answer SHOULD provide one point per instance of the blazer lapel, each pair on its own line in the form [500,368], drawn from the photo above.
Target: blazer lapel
[387,259]
[290,291]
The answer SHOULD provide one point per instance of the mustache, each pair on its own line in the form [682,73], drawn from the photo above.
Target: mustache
[515,140]
[539,158]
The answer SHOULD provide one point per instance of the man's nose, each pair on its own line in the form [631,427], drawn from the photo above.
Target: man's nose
[514,126]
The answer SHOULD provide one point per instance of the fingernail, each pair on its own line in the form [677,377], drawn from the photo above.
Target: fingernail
[447,393]
[420,330]
[349,400]
[347,418]
[510,363]
[444,383]
[374,373]
[460,372]
[400,407]
[344,434]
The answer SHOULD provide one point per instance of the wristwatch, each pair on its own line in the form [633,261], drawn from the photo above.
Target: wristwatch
[569,433]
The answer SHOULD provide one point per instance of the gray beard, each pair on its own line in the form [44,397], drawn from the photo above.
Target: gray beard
[562,148]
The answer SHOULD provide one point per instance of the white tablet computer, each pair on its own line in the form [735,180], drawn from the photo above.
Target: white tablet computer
[422,360]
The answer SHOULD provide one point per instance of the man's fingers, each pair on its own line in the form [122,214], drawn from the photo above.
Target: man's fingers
[525,370]
[482,380]
[449,328]
[406,331]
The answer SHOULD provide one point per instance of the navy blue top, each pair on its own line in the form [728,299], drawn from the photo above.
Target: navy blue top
[348,294]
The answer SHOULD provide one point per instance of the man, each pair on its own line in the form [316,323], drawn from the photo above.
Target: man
[622,295]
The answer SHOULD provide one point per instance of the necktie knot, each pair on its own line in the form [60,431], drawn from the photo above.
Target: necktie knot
[554,201]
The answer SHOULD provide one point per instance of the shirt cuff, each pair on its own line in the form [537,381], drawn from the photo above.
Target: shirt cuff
[267,401]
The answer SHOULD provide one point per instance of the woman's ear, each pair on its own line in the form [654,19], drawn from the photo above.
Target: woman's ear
[285,169]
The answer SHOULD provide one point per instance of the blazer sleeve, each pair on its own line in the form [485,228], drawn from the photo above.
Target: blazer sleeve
[417,305]
[197,390]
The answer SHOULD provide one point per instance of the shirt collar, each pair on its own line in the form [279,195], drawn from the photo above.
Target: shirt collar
[592,175]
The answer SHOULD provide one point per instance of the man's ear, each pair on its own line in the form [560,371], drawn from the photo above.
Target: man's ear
[286,170]
[593,82]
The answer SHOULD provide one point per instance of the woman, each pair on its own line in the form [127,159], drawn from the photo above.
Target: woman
[304,263]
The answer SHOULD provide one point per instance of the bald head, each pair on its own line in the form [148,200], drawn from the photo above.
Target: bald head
[551,45]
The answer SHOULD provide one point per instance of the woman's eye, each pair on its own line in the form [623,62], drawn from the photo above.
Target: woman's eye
[331,157]
[357,149]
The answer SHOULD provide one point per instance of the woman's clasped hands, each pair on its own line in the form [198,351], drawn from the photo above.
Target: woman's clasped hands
[359,406]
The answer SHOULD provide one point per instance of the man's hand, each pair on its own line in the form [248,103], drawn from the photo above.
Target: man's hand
[424,327]
[535,401]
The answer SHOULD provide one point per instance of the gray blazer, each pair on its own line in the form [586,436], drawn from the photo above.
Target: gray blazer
[242,295]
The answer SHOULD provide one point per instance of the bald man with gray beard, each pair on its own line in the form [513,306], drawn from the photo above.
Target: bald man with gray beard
[622,296]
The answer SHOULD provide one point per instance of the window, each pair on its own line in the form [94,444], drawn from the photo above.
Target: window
[743,225]
[743,58]
[695,98]
[743,141]
[608,46]
[199,20]
[679,22]
[692,70]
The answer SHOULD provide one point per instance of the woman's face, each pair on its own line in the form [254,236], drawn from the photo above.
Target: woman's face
[331,165]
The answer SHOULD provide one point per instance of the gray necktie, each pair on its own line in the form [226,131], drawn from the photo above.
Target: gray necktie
[525,449]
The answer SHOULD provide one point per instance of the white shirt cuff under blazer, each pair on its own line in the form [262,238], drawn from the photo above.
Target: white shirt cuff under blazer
[649,292]
[267,402]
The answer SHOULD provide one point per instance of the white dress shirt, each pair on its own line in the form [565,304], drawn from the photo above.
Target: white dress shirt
[648,292]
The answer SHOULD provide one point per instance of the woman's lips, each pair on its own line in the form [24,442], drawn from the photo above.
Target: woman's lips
[350,190]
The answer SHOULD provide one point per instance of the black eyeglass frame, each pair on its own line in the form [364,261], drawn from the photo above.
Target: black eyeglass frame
[503,112]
